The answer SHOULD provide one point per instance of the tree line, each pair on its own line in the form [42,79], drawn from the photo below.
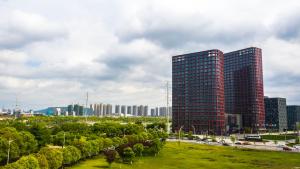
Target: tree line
[30,144]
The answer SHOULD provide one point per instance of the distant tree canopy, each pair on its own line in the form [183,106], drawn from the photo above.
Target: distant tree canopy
[54,142]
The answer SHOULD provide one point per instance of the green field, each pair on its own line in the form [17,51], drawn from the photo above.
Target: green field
[196,156]
[278,137]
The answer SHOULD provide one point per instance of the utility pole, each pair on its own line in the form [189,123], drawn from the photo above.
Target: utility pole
[64,139]
[16,108]
[168,115]
[8,151]
[86,103]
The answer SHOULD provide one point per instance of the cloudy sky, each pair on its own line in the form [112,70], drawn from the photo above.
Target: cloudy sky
[54,51]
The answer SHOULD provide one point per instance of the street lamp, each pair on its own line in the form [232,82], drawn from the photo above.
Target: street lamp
[64,139]
[8,151]
[194,129]
[180,132]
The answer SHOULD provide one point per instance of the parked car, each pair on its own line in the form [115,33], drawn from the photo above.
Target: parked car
[297,147]
[253,137]
[238,143]
[286,148]
[246,143]
[225,144]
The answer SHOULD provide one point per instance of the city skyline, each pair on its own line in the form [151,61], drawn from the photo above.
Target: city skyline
[120,52]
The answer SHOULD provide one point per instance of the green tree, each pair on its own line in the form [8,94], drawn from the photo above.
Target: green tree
[94,147]
[11,135]
[14,165]
[29,144]
[84,146]
[71,155]
[43,163]
[29,162]
[3,149]
[232,139]
[110,155]
[190,135]
[138,149]
[107,142]
[156,146]
[54,157]
[128,155]
[41,132]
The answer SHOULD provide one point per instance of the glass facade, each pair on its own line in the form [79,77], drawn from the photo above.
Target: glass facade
[293,113]
[276,114]
[244,92]
[198,92]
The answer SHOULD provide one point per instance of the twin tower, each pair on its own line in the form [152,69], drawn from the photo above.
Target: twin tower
[214,93]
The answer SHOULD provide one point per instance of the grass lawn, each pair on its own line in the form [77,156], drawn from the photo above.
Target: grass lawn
[278,137]
[195,156]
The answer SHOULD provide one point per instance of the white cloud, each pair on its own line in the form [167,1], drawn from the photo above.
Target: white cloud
[52,52]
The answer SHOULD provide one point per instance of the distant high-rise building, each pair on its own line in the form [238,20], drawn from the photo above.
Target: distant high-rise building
[134,110]
[145,112]
[123,110]
[104,111]
[117,109]
[244,92]
[70,110]
[109,110]
[156,111]
[163,111]
[129,110]
[198,92]
[92,109]
[276,113]
[293,117]
[153,114]
[140,110]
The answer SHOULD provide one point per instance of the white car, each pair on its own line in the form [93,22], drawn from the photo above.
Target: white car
[297,147]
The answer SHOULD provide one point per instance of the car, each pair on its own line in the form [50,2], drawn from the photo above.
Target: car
[238,143]
[253,137]
[246,143]
[225,144]
[297,147]
[281,146]
[286,148]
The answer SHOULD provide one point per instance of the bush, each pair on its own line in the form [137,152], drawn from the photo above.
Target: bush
[29,162]
[84,146]
[138,149]
[190,135]
[54,157]
[110,155]
[71,155]
[128,155]
[43,163]
[14,165]
[26,162]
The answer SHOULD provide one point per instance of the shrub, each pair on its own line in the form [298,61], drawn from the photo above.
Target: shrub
[110,155]
[71,155]
[138,149]
[54,157]
[43,163]
[29,162]
[128,155]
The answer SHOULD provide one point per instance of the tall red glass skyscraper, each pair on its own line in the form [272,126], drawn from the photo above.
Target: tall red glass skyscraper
[244,92]
[211,89]
[198,92]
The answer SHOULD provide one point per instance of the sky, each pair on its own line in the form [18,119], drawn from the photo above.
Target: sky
[54,51]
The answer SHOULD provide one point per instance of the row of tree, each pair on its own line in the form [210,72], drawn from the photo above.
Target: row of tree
[66,143]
